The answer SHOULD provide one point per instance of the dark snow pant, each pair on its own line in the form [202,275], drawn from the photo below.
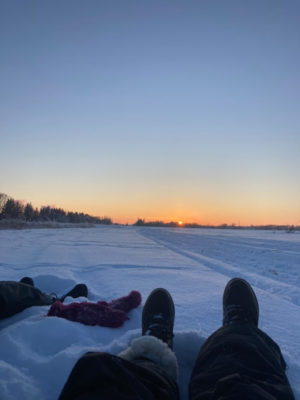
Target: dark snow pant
[16,296]
[236,362]
[240,362]
[102,376]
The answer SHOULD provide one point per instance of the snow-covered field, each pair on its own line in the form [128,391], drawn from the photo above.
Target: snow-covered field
[37,353]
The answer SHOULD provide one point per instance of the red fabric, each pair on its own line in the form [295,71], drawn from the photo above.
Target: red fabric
[112,314]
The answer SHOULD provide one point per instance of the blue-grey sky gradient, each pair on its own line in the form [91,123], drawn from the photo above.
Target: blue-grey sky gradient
[157,109]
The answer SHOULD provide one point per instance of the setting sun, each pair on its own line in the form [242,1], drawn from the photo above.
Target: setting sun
[179,222]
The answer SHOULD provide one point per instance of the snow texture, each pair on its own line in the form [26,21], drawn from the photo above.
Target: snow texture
[193,264]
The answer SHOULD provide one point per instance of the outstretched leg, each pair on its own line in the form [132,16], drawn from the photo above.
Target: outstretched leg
[17,296]
[147,370]
[239,361]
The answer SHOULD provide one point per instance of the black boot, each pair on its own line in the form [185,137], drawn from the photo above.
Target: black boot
[79,290]
[158,316]
[27,280]
[239,303]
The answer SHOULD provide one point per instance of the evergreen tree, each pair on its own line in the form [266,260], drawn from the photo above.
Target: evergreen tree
[13,209]
[28,212]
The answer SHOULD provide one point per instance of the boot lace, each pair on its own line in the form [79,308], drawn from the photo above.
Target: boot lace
[161,328]
[234,313]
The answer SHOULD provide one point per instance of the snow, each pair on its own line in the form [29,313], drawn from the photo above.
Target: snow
[37,353]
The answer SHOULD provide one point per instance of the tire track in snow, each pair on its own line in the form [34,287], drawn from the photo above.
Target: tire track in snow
[256,273]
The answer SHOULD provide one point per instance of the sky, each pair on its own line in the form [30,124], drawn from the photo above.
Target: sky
[169,110]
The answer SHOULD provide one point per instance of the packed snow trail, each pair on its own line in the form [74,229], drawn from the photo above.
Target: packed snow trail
[193,264]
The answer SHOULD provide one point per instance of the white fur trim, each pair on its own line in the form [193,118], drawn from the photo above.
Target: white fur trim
[153,349]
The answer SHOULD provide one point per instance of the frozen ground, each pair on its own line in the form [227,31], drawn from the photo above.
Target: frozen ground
[37,353]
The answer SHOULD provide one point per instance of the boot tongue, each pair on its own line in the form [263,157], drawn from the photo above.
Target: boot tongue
[234,313]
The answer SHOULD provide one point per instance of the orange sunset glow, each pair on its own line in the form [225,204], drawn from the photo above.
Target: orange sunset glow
[110,130]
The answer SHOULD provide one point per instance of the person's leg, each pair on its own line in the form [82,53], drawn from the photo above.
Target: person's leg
[146,370]
[239,360]
[79,290]
[105,376]
[17,296]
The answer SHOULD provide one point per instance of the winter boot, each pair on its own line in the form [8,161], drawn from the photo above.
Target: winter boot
[158,316]
[79,290]
[239,303]
[27,280]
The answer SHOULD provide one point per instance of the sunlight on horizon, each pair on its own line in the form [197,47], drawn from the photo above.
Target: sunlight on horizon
[162,111]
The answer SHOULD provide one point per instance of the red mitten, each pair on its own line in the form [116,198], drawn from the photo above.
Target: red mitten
[89,314]
[126,303]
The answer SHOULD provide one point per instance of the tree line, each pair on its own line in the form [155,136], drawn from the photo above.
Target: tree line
[172,224]
[142,222]
[14,209]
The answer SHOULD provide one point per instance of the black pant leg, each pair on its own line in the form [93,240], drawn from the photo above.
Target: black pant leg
[239,362]
[106,377]
[16,297]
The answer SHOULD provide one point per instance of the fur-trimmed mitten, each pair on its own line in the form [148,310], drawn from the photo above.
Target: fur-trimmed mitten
[154,349]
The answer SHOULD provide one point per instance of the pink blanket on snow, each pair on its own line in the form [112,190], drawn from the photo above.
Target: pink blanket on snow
[112,314]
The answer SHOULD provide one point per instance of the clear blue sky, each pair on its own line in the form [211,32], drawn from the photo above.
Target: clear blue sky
[184,110]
